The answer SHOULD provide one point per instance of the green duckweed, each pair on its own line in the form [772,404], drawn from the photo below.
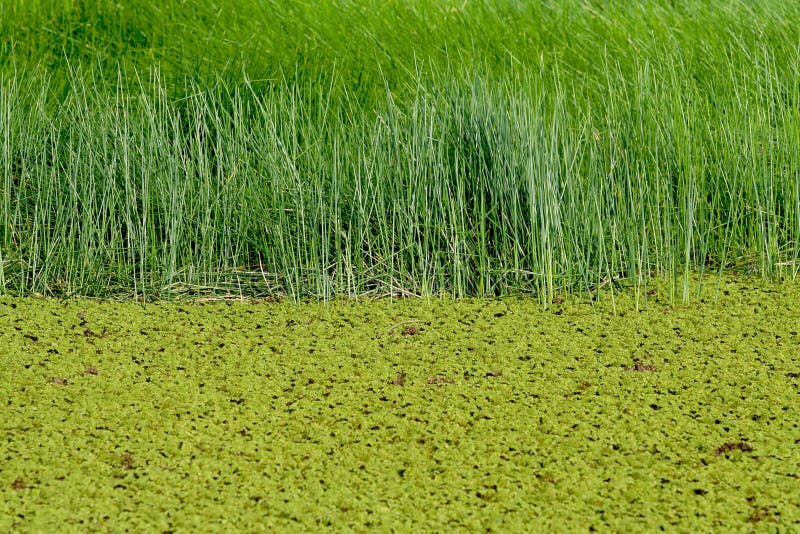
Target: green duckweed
[403,415]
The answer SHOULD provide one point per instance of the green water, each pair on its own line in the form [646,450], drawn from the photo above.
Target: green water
[406,415]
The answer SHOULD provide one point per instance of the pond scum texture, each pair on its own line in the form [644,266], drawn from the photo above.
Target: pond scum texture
[404,415]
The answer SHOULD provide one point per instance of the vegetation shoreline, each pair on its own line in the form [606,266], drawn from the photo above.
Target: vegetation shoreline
[512,148]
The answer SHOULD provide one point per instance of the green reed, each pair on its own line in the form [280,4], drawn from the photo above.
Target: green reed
[364,149]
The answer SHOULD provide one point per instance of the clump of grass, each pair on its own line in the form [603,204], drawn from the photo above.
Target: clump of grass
[529,161]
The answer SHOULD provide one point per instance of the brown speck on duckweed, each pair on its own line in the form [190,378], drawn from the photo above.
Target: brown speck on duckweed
[546,478]
[127,461]
[639,367]
[91,333]
[91,370]
[18,484]
[399,380]
[758,516]
[731,446]
[439,380]
[59,381]
[411,330]
[494,373]
[558,300]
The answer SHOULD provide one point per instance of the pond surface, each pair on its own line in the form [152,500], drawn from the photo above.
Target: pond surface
[409,414]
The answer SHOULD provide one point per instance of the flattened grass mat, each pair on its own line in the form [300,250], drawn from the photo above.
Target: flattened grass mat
[406,415]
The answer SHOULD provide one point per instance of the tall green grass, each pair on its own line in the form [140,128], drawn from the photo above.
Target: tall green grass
[373,148]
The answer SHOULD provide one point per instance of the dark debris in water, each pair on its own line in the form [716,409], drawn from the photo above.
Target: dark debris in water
[439,380]
[732,446]
[640,367]
[127,461]
[399,380]
[759,515]
[412,330]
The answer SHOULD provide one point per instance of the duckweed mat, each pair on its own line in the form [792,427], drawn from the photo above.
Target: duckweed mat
[404,415]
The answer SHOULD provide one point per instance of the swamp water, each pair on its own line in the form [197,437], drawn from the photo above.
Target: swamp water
[411,414]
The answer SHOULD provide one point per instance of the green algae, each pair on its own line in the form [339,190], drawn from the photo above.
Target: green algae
[405,415]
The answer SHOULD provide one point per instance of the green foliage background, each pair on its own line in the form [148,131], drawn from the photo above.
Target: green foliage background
[328,148]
